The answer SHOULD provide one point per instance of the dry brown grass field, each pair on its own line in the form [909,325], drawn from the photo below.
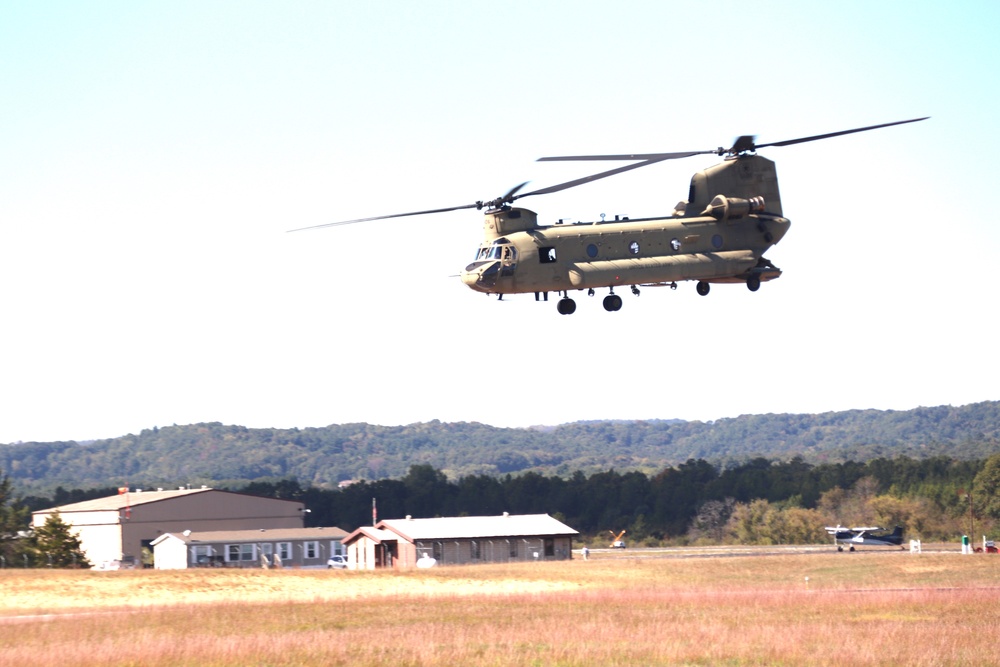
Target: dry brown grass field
[867,608]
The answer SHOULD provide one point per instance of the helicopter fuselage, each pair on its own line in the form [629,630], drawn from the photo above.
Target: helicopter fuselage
[648,251]
[720,235]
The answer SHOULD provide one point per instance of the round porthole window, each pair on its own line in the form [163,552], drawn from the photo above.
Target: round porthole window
[717,241]
[633,247]
[591,251]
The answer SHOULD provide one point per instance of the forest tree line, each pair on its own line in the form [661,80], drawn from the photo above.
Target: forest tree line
[216,454]
[756,502]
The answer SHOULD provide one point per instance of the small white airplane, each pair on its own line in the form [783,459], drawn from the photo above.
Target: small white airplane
[865,535]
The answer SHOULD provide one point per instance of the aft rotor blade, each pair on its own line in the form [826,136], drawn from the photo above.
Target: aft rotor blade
[588,179]
[790,142]
[386,217]
[658,157]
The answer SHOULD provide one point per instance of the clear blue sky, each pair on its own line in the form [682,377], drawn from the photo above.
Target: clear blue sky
[153,155]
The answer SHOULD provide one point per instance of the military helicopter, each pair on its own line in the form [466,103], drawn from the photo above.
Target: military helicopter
[731,217]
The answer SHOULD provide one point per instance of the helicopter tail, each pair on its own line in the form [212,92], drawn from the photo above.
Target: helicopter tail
[743,177]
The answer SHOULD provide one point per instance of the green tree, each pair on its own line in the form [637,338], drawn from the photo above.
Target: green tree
[427,489]
[54,545]
[987,488]
[13,519]
[759,522]
[710,522]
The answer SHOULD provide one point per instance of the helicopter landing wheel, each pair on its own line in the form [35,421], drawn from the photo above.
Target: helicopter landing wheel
[753,283]
[703,288]
[612,302]
[566,306]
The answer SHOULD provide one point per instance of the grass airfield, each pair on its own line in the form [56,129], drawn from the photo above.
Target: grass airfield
[739,606]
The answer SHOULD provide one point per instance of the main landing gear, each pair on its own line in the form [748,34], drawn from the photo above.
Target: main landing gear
[566,306]
[753,284]
[612,302]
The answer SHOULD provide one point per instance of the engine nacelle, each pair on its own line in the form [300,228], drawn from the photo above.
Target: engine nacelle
[733,208]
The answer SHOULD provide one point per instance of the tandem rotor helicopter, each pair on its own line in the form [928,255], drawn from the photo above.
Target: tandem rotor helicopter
[732,216]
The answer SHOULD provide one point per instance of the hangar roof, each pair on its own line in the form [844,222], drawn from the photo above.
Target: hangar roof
[131,499]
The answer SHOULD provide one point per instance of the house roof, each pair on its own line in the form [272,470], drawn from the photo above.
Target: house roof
[263,535]
[132,499]
[377,535]
[477,527]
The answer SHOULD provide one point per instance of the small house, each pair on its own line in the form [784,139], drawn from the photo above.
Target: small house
[459,540]
[267,548]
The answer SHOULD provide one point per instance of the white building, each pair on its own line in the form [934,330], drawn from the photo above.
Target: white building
[114,529]
[281,547]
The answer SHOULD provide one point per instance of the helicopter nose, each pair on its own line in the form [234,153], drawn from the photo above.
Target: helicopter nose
[482,277]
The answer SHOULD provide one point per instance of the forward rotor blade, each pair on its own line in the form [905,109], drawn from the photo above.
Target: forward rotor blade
[513,191]
[790,142]
[386,217]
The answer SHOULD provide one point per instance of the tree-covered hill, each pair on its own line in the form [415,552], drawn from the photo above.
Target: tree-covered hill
[215,453]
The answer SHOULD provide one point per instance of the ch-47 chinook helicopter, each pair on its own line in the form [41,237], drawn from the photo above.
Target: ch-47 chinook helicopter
[732,216]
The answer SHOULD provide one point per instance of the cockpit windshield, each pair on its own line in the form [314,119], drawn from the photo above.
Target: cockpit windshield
[496,250]
[488,252]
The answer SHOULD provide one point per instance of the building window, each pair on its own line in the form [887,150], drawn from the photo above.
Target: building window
[285,551]
[550,547]
[239,552]
[201,554]
[311,550]
[336,548]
